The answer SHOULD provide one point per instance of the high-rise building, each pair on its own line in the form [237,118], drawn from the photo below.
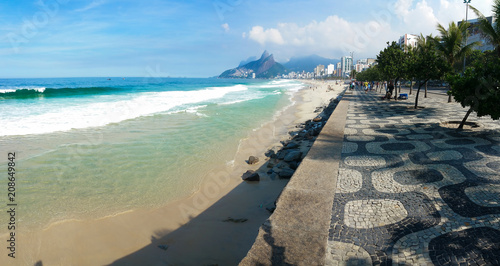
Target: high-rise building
[346,65]
[319,70]
[362,62]
[361,67]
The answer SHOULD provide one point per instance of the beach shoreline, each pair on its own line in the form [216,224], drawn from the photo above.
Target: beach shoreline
[207,227]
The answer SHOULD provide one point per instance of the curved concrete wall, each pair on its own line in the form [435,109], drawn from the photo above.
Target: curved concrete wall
[297,231]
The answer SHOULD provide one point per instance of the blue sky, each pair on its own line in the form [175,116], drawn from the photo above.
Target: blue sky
[101,38]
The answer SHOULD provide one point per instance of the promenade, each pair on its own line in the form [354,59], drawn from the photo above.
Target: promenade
[405,189]
[411,191]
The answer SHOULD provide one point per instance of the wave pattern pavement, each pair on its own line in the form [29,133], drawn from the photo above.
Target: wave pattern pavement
[412,191]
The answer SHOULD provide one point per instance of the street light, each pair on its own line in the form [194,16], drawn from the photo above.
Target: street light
[352,60]
[467,2]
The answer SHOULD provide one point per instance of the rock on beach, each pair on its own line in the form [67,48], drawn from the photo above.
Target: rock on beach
[293,156]
[250,175]
[286,173]
[253,160]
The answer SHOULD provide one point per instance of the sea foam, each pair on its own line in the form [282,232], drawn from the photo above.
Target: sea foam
[53,115]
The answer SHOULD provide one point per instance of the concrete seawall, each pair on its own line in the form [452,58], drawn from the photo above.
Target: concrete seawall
[297,231]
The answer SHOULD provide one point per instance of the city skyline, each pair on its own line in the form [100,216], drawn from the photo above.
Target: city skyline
[75,38]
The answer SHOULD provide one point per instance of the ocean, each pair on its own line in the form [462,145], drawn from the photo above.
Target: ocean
[87,148]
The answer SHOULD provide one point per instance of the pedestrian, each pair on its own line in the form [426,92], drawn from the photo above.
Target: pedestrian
[390,89]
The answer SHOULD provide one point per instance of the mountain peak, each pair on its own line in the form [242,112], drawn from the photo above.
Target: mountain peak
[265,55]
[265,67]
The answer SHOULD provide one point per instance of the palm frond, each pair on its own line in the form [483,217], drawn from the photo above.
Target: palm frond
[491,33]
[441,29]
[496,14]
[478,13]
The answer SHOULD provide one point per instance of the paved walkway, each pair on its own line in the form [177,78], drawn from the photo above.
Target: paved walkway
[412,192]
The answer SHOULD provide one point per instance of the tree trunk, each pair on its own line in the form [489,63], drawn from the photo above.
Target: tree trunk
[418,92]
[449,94]
[411,86]
[396,89]
[425,95]
[465,118]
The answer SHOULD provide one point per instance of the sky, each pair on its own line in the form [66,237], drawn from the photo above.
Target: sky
[160,38]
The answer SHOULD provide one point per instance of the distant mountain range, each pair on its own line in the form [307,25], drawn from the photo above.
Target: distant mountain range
[308,63]
[266,67]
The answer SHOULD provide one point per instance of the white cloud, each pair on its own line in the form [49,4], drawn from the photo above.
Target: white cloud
[92,5]
[485,6]
[417,19]
[225,26]
[262,36]
[445,4]
[336,36]
[449,12]
[333,37]
[422,16]
[402,7]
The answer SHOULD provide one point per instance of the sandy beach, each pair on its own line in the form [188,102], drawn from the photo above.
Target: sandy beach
[216,225]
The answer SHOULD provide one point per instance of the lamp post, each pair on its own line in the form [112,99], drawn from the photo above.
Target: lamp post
[352,62]
[467,2]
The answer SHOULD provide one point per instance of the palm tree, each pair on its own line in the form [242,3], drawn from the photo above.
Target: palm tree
[490,30]
[451,44]
[425,43]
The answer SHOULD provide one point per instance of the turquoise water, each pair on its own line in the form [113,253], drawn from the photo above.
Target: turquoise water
[92,147]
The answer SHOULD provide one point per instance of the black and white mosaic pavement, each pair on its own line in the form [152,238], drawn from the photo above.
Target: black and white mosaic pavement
[411,191]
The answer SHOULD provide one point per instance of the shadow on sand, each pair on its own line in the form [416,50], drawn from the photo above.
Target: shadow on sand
[223,233]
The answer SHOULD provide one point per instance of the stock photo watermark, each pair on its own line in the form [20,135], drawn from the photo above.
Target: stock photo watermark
[32,26]
[216,182]
[223,6]
[364,36]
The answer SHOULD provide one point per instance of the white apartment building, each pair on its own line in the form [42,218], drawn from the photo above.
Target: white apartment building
[408,40]
[330,69]
[361,67]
